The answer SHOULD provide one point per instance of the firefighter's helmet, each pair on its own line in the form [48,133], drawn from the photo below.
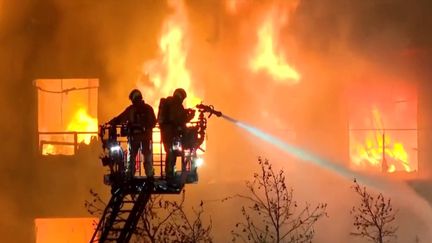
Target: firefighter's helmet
[181,93]
[135,95]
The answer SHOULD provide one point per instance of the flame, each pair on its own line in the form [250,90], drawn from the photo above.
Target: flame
[83,122]
[391,169]
[377,147]
[161,76]
[265,58]
[49,149]
[170,71]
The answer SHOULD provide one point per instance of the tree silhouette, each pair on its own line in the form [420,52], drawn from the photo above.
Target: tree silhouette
[163,220]
[373,219]
[272,215]
[188,229]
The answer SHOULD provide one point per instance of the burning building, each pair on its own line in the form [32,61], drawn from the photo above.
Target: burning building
[348,81]
[67,111]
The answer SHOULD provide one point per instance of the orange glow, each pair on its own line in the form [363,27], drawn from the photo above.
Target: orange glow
[382,123]
[266,59]
[64,230]
[232,6]
[391,169]
[378,144]
[170,70]
[64,106]
[83,122]
[49,149]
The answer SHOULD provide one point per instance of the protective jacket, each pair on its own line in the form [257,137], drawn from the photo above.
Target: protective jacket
[139,116]
[172,113]
[172,118]
[140,120]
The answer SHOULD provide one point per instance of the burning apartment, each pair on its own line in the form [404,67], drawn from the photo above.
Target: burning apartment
[344,81]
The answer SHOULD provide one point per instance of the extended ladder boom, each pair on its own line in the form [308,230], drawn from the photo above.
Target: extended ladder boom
[122,213]
[130,195]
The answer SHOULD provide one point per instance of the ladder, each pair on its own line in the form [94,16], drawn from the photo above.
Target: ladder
[129,197]
[122,213]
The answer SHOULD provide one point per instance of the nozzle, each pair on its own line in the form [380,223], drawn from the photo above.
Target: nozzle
[217,113]
[210,109]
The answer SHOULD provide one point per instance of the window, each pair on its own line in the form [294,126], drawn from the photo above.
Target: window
[383,126]
[67,114]
[56,230]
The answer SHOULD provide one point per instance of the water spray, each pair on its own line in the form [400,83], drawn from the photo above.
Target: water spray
[402,192]
[307,156]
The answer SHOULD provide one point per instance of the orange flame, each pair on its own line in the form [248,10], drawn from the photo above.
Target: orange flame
[169,71]
[266,59]
[379,147]
[83,122]
[49,149]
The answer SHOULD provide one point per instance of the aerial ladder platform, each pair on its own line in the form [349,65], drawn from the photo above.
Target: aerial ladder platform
[129,196]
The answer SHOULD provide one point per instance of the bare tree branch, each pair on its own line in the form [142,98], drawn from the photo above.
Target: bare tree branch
[270,215]
[163,220]
[374,217]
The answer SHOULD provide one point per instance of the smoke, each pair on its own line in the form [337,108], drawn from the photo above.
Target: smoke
[330,43]
[405,196]
[336,44]
[297,152]
[61,39]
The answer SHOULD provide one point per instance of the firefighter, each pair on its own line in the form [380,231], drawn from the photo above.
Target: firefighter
[140,119]
[172,119]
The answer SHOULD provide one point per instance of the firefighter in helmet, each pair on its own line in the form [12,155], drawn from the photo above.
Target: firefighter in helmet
[172,119]
[140,119]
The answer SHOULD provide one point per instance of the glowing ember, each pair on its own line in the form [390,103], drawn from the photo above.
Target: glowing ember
[169,71]
[83,122]
[377,147]
[267,60]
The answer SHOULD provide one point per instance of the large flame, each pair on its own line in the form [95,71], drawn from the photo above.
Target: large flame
[267,57]
[170,71]
[380,150]
[83,122]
